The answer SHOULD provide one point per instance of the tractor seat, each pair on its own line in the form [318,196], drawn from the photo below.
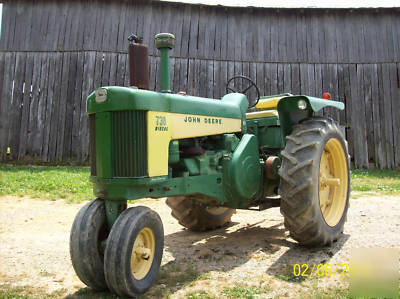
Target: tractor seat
[260,114]
[270,102]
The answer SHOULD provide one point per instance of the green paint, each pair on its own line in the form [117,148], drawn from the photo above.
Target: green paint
[165,80]
[113,210]
[123,98]
[103,145]
[165,42]
[290,114]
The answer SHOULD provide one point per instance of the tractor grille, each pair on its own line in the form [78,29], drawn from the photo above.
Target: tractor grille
[92,143]
[129,143]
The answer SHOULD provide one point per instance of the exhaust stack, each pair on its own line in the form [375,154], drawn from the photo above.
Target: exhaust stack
[138,63]
[165,42]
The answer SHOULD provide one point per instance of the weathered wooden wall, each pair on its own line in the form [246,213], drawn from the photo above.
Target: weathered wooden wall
[53,54]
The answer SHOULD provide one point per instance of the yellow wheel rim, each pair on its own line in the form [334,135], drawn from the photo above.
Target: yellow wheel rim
[216,211]
[333,182]
[143,253]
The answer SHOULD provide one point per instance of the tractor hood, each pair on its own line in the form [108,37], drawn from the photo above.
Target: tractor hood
[116,98]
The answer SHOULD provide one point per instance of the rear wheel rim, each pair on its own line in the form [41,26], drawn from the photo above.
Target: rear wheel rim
[333,182]
[216,211]
[142,253]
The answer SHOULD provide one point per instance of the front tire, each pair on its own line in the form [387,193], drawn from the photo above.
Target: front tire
[88,232]
[315,182]
[134,251]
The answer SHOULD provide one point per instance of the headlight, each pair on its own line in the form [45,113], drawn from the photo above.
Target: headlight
[101,95]
[302,104]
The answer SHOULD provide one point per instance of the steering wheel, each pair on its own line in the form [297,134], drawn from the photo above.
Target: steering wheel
[243,88]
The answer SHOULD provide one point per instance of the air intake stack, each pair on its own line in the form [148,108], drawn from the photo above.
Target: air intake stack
[165,42]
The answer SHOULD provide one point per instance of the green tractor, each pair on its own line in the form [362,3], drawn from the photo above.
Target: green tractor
[208,157]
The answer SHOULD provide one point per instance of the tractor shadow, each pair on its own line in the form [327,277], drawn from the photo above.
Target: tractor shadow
[194,255]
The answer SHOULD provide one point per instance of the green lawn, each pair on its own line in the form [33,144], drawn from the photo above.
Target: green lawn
[72,182]
[48,182]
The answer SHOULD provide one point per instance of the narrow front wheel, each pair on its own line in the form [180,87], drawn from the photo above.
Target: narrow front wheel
[134,251]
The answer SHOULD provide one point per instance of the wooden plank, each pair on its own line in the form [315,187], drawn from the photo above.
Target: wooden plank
[282,39]
[202,39]
[217,93]
[203,79]
[210,79]
[70,106]
[348,107]
[78,104]
[9,63]
[358,128]
[48,107]
[221,33]
[280,78]
[15,108]
[295,78]
[369,121]
[231,42]
[57,100]
[191,76]
[318,84]
[380,161]
[113,69]
[395,97]
[210,51]
[75,12]
[120,75]
[87,87]
[303,69]
[269,37]
[23,133]
[121,38]
[292,48]
[313,37]
[19,30]
[177,29]
[65,24]
[148,35]
[387,120]
[34,103]
[7,25]
[105,73]
[396,35]
[98,71]
[63,106]
[183,79]
[287,78]
[301,36]
[339,29]
[185,35]
[37,145]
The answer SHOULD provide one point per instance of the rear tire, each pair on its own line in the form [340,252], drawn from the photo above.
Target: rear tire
[198,217]
[315,182]
[88,232]
[134,250]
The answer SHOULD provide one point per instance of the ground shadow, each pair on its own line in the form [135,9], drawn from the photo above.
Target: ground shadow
[194,255]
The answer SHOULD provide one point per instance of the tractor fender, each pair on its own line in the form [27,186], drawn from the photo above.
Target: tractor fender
[291,113]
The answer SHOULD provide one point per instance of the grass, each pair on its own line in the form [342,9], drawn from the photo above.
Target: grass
[385,182]
[48,182]
[72,182]
[244,291]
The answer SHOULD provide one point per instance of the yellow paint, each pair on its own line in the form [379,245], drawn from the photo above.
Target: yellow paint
[333,182]
[143,251]
[162,127]
[259,114]
[270,103]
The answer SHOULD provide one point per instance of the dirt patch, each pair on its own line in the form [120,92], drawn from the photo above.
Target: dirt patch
[253,251]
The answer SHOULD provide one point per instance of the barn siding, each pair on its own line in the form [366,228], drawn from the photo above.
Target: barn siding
[53,54]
